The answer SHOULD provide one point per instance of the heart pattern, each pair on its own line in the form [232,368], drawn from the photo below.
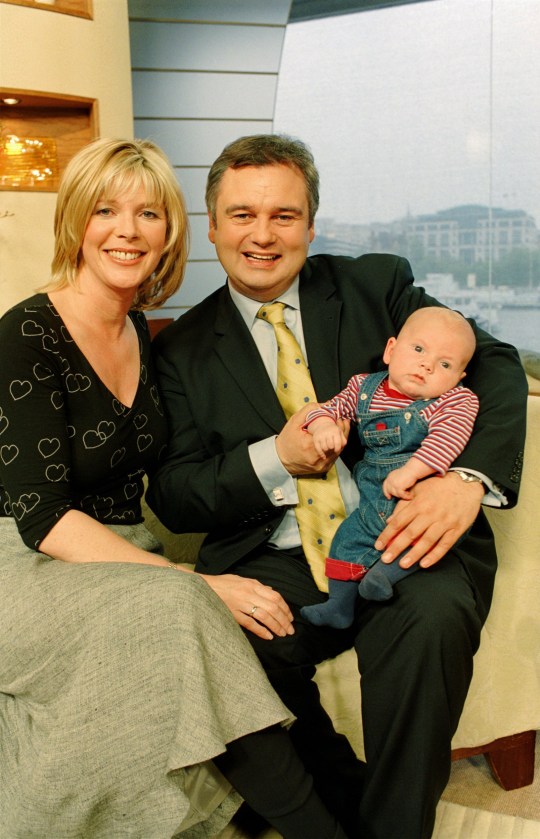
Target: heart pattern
[56,472]
[4,422]
[82,447]
[31,329]
[94,438]
[25,504]
[48,447]
[41,372]
[20,388]
[8,454]
[76,381]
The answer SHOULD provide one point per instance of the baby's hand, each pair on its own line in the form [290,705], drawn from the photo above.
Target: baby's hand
[398,483]
[327,436]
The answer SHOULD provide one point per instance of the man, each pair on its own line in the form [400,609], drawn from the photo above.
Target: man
[237,470]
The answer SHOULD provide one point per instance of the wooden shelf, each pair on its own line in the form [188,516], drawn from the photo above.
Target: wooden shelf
[68,120]
[79,8]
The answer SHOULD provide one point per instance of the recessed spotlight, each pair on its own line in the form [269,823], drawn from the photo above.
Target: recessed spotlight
[10,100]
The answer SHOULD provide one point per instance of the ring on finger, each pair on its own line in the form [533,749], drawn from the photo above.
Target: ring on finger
[253,610]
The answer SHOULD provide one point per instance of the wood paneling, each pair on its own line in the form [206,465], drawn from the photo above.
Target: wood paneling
[70,121]
[79,8]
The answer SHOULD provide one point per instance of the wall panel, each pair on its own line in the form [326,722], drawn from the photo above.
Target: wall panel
[202,248]
[202,75]
[192,143]
[205,47]
[181,95]
[264,12]
[193,183]
[201,279]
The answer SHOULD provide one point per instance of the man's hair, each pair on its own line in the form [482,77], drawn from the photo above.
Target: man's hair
[265,150]
[102,170]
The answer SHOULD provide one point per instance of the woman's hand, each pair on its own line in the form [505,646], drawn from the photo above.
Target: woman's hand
[255,606]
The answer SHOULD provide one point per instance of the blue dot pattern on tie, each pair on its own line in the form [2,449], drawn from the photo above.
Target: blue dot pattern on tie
[320,508]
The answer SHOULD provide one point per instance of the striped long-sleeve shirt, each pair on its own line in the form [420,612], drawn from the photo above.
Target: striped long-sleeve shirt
[450,418]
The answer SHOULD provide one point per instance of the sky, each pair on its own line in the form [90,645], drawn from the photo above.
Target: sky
[418,108]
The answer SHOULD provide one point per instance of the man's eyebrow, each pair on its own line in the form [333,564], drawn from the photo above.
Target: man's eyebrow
[234,208]
[298,211]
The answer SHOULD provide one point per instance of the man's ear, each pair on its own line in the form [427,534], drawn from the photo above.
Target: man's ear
[211,228]
[388,350]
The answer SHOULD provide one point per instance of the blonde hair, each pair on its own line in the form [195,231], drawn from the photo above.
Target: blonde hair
[102,170]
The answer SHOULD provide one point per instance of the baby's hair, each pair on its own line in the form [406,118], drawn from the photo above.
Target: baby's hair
[460,326]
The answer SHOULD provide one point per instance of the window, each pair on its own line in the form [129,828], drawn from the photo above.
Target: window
[426,117]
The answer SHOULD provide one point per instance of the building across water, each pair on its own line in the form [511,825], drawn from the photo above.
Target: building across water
[471,232]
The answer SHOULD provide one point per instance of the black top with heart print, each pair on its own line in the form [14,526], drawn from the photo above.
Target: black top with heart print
[66,442]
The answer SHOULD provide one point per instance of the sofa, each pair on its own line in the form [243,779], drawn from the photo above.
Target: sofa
[502,711]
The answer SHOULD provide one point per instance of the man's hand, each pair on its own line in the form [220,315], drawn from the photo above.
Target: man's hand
[441,510]
[255,606]
[296,449]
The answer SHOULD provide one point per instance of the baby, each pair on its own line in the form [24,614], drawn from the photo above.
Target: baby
[413,420]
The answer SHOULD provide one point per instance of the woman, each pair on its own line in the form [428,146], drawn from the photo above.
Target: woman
[121,675]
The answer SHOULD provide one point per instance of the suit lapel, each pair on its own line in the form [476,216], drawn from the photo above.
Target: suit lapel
[238,352]
[321,314]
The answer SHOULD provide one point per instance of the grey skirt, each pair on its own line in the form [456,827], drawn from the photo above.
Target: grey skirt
[118,684]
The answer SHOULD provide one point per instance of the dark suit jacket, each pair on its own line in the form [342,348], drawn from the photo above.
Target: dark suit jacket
[219,399]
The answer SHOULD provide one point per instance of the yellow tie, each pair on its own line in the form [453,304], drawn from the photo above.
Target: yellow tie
[320,509]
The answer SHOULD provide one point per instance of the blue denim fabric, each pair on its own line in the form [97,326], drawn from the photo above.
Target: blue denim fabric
[385,449]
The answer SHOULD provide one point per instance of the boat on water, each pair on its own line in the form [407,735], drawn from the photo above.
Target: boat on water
[476,303]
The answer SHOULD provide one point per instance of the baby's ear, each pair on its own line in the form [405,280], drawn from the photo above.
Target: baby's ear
[388,350]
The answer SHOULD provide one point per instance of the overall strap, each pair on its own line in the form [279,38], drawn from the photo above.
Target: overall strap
[367,391]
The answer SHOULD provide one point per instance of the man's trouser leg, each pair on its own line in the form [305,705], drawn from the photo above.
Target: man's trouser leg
[290,665]
[415,656]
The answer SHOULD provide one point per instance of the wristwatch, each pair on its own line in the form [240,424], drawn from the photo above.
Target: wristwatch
[468,477]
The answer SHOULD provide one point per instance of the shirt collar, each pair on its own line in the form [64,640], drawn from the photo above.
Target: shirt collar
[248,308]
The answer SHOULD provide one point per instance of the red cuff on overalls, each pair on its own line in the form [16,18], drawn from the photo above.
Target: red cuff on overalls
[338,569]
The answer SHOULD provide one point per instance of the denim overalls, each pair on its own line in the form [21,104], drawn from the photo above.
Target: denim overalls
[390,438]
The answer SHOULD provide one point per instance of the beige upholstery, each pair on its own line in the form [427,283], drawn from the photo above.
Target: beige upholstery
[504,698]
[505,693]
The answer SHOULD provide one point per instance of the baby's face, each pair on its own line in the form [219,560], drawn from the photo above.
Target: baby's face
[425,360]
